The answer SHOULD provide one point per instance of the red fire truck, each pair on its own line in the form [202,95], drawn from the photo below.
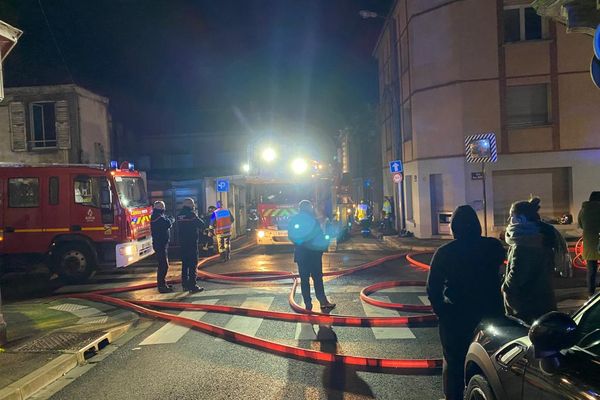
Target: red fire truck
[278,202]
[74,216]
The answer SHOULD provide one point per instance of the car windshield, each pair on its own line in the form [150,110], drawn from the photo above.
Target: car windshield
[131,191]
[588,328]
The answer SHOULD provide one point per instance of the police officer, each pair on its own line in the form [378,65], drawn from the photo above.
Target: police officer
[190,227]
[309,245]
[161,234]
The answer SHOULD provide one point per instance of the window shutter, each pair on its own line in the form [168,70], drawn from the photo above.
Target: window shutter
[16,110]
[63,126]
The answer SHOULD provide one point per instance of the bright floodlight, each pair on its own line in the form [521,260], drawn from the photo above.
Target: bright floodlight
[299,166]
[246,167]
[269,154]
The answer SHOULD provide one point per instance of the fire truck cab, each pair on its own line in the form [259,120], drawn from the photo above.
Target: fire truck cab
[74,216]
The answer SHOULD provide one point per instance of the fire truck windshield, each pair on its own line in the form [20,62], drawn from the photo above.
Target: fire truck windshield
[132,192]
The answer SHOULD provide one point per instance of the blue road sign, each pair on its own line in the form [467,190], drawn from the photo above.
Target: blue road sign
[395,166]
[222,185]
[595,71]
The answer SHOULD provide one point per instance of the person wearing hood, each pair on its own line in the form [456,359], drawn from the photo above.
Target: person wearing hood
[589,221]
[189,227]
[527,288]
[463,287]
[309,245]
[160,225]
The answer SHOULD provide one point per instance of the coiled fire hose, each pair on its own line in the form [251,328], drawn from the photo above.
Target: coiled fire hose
[400,366]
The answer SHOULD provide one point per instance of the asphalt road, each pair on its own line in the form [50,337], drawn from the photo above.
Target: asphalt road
[164,361]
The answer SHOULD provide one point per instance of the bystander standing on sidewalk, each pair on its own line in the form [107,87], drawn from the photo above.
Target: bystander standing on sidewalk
[589,221]
[161,235]
[464,287]
[527,288]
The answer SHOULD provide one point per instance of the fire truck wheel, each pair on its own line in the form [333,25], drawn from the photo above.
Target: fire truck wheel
[74,262]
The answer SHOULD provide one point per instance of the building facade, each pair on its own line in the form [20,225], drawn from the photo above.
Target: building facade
[468,67]
[54,124]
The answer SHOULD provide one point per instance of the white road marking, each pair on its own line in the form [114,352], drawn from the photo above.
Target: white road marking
[171,333]
[249,325]
[386,332]
[425,300]
[305,331]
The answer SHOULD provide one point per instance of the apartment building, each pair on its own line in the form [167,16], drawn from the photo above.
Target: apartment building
[54,124]
[449,69]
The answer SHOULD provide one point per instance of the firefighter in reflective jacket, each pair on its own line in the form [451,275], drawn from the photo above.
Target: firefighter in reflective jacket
[221,221]
[363,215]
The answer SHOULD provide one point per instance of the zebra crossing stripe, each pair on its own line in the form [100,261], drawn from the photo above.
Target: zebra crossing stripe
[386,333]
[250,325]
[170,332]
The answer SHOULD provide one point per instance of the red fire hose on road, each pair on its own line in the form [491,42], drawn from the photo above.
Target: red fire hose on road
[396,365]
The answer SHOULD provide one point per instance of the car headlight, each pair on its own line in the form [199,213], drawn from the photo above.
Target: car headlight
[261,234]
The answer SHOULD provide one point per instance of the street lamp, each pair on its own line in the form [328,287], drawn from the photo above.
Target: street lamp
[269,154]
[246,168]
[299,166]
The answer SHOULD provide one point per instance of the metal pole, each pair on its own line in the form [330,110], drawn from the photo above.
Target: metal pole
[485,229]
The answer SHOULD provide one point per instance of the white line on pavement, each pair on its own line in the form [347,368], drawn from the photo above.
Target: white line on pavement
[171,333]
[425,300]
[386,332]
[249,325]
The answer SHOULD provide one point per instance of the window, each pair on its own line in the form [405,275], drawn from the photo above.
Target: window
[406,122]
[43,125]
[87,191]
[53,192]
[408,194]
[23,192]
[527,105]
[522,23]
[132,192]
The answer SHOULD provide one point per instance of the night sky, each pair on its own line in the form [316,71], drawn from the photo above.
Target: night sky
[176,66]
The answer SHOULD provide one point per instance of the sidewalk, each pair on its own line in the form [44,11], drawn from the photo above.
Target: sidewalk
[49,337]
[413,243]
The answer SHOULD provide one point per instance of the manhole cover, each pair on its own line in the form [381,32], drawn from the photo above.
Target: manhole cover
[60,341]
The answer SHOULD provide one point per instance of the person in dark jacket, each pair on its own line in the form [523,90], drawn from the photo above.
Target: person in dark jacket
[464,287]
[589,221]
[309,244]
[190,228]
[161,234]
[527,288]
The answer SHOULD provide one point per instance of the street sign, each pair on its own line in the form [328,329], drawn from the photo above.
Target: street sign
[397,177]
[477,176]
[481,148]
[222,185]
[395,166]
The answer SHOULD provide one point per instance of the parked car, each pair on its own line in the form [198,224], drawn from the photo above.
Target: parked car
[558,357]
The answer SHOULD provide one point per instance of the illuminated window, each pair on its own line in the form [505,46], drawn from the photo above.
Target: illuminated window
[527,105]
[523,23]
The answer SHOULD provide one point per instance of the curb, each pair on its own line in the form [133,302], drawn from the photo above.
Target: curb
[38,379]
